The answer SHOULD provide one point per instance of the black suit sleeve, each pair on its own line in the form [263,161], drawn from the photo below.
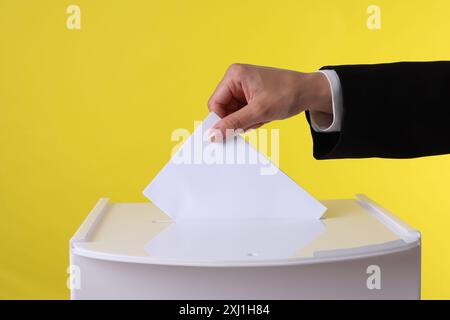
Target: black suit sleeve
[394,110]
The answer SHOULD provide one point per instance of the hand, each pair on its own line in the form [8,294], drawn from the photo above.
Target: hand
[249,96]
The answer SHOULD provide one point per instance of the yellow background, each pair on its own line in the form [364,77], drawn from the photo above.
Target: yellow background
[88,113]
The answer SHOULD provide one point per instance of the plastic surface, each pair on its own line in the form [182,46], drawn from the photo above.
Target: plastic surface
[141,233]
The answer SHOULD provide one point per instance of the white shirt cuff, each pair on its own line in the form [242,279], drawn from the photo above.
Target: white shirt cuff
[336,99]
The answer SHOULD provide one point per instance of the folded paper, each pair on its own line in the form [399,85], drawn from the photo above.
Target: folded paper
[227,181]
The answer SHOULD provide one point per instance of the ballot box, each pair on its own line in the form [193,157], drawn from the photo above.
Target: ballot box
[357,250]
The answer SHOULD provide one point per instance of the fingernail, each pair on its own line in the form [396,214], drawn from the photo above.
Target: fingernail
[212,136]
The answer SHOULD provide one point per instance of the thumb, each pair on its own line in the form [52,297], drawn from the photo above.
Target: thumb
[239,120]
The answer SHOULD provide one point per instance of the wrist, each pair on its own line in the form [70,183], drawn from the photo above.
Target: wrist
[316,95]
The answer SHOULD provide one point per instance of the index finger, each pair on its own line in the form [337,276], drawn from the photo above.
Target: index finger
[220,99]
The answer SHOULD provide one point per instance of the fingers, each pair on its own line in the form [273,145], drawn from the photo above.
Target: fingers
[220,98]
[241,120]
[229,95]
[256,126]
[231,103]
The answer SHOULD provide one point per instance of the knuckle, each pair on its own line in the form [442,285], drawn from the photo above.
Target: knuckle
[236,69]
[210,104]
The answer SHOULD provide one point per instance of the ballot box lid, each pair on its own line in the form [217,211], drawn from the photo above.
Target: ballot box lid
[141,233]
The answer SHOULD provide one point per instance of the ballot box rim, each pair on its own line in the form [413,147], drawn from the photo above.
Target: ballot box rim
[409,238]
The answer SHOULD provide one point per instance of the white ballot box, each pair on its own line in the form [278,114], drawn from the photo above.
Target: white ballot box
[358,250]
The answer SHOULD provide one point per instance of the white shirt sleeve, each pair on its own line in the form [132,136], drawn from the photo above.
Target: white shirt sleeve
[321,122]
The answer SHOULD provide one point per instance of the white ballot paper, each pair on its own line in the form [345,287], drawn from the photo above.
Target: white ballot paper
[229,181]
